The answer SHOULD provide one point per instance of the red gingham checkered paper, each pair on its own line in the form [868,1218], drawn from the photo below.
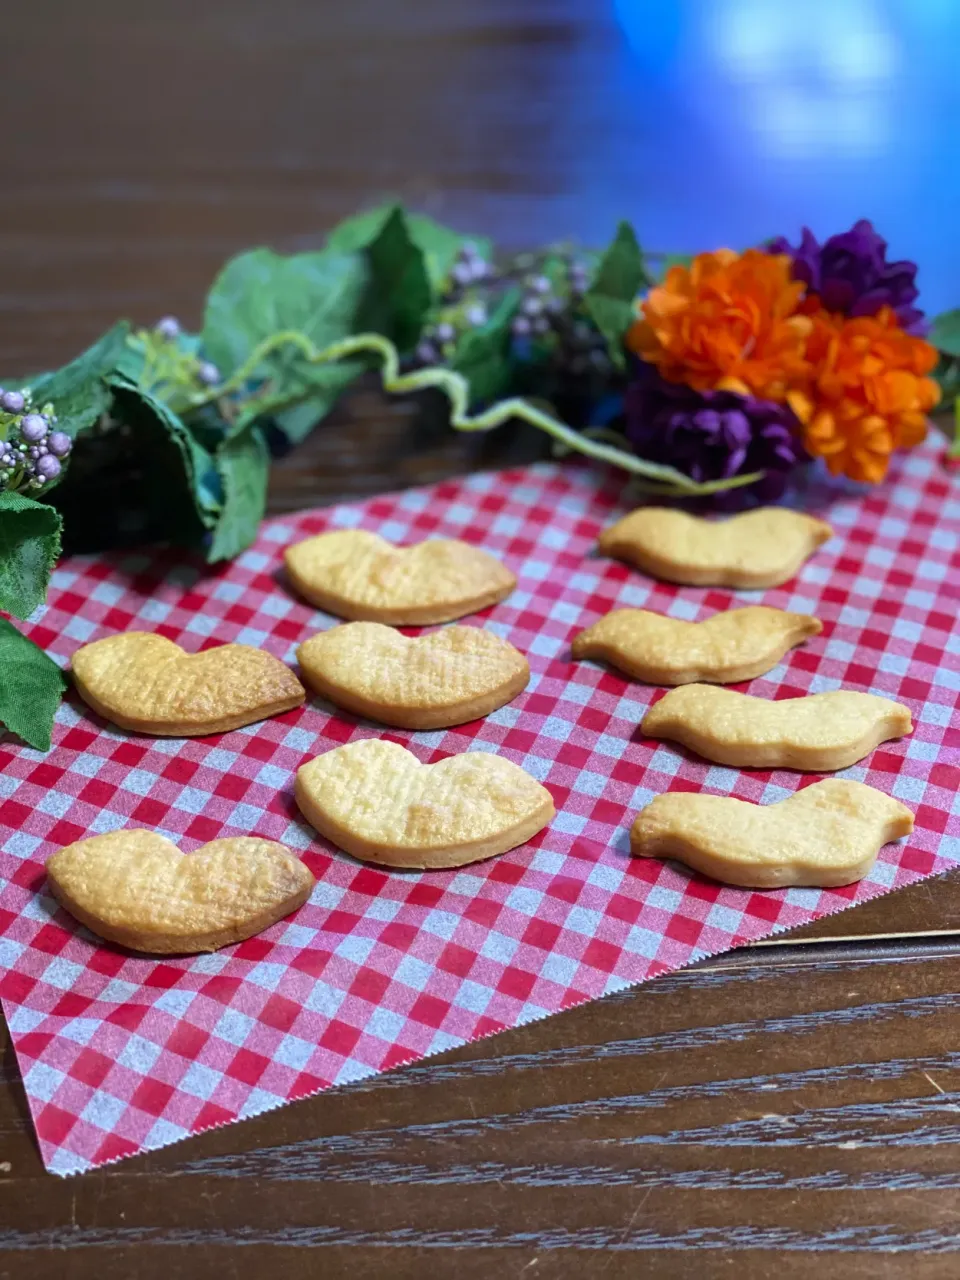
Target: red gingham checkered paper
[121,1053]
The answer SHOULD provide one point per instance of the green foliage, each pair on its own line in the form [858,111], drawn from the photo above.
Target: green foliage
[29,546]
[31,688]
[483,355]
[242,463]
[945,332]
[621,274]
[262,293]
[399,294]
[78,391]
[179,479]
[438,244]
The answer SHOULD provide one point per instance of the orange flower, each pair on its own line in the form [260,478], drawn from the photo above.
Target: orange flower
[870,393]
[729,322]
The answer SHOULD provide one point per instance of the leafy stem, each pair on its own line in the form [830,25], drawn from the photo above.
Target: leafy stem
[662,479]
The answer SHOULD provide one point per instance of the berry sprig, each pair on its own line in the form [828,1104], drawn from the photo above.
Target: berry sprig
[31,449]
[552,325]
[464,304]
[172,370]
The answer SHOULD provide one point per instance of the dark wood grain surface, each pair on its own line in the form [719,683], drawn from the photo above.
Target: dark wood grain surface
[789,1110]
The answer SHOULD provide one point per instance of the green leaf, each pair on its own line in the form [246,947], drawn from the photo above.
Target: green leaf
[78,391]
[621,274]
[298,421]
[945,332]
[261,293]
[438,243]
[29,546]
[483,354]
[31,688]
[180,479]
[243,463]
[399,295]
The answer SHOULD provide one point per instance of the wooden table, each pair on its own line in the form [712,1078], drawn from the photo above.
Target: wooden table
[747,1116]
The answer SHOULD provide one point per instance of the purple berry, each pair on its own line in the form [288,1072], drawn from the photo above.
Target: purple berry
[59,443]
[462,273]
[521,325]
[168,327]
[444,332]
[34,428]
[426,353]
[47,467]
[208,374]
[12,401]
[476,314]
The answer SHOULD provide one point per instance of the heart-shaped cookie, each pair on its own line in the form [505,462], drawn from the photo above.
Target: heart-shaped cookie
[444,678]
[827,834]
[376,800]
[135,887]
[360,575]
[726,648]
[819,733]
[757,549]
[149,684]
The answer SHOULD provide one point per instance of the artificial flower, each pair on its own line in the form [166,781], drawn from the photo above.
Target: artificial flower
[850,273]
[727,322]
[870,395]
[712,435]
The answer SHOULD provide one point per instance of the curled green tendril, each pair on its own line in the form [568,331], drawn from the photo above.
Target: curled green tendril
[666,481]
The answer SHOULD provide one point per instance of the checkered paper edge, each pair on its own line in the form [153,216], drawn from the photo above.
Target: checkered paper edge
[121,1054]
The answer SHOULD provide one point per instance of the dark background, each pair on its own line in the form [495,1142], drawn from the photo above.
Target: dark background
[787,1111]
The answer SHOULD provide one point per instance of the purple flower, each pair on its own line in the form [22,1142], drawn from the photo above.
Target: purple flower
[712,435]
[851,274]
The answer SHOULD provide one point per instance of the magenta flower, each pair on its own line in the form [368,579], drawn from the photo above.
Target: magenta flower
[713,435]
[851,274]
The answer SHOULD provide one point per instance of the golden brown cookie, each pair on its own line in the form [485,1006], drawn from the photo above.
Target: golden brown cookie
[360,575]
[135,887]
[826,835]
[377,801]
[149,684]
[738,644]
[820,733]
[444,678]
[757,549]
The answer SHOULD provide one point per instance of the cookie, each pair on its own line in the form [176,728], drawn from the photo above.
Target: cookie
[149,684]
[443,678]
[362,576]
[377,801]
[819,733]
[723,649]
[136,888]
[826,835]
[757,549]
